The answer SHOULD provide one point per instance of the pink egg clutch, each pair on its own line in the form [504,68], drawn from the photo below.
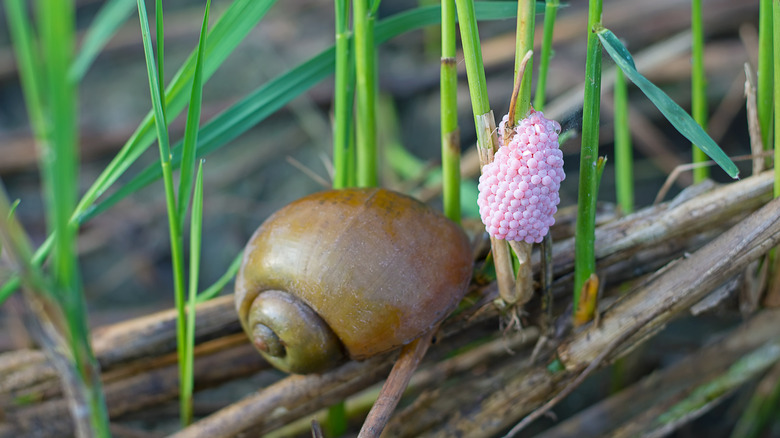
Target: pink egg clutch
[518,191]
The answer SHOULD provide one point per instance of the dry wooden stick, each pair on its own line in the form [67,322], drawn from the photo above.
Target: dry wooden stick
[394,386]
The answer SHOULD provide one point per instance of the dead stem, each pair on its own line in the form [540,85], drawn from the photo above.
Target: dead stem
[394,386]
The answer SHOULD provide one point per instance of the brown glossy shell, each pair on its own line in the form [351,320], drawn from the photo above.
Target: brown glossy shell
[380,268]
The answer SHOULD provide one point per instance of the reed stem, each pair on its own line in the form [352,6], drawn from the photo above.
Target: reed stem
[699,88]
[584,256]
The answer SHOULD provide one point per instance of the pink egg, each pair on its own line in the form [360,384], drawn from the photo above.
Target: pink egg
[518,192]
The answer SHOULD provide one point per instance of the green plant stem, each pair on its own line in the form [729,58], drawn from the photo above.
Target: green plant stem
[196,232]
[776,51]
[450,135]
[550,12]
[699,87]
[174,224]
[60,176]
[365,70]
[487,140]
[584,256]
[342,97]
[764,92]
[526,11]
[624,156]
[475,70]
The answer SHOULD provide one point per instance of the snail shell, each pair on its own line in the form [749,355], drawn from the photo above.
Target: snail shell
[348,273]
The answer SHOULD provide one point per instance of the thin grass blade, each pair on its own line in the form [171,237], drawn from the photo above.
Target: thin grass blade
[109,18]
[196,233]
[193,122]
[680,119]
[214,290]
[177,256]
[27,59]
[160,40]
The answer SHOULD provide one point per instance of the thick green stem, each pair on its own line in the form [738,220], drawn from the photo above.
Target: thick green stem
[526,11]
[342,98]
[776,41]
[764,93]
[624,157]
[487,140]
[699,87]
[585,259]
[450,135]
[550,12]
[365,69]
[472,53]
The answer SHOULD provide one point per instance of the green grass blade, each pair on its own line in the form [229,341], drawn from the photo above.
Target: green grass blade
[56,20]
[214,290]
[196,232]
[193,121]
[154,86]
[27,59]
[37,260]
[276,93]
[177,256]
[699,108]
[111,16]
[680,119]
[160,39]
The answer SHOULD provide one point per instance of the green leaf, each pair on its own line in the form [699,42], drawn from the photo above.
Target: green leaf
[193,121]
[273,95]
[680,119]
[154,86]
[111,16]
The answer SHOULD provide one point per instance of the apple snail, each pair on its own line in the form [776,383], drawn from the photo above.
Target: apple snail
[348,274]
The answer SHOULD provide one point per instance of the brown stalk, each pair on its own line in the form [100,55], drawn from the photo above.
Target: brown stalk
[395,385]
